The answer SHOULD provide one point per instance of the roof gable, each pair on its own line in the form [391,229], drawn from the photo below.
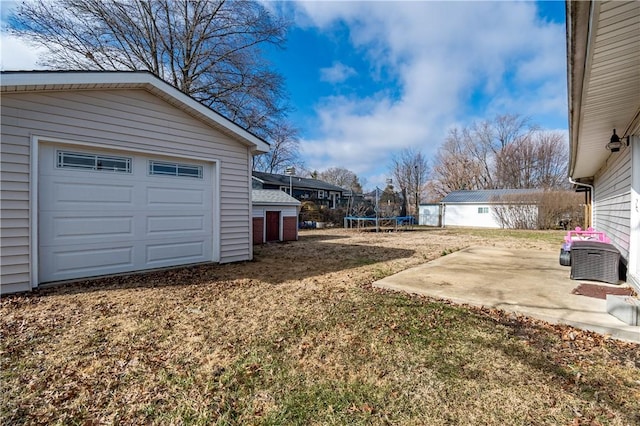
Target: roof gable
[39,81]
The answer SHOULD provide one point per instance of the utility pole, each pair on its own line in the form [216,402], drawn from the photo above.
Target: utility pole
[417,191]
[377,209]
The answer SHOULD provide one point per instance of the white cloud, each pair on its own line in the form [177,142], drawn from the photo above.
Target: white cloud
[16,54]
[337,73]
[440,54]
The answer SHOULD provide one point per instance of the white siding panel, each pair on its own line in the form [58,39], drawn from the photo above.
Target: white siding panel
[126,119]
[467,215]
[8,176]
[15,283]
[13,251]
[14,218]
[11,145]
[613,200]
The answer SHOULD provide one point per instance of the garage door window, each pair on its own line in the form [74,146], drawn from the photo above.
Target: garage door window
[78,160]
[175,169]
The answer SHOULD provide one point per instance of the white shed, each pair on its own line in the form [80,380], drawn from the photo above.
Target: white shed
[111,172]
[478,208]
[430,214]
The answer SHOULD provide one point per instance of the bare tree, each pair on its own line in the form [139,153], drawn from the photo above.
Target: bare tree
[506,152]
[456,166]
[553,157]
[410,171]
[517,211]
[208,49]
[537,161]
[284,151]
[539,210]
[341,177]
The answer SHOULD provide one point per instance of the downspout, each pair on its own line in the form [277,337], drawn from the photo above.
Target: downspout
[592,219]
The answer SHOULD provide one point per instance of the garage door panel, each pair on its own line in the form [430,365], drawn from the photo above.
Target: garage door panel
[171,253]
[60,228]
[170,196]
[99,226]
[84,261]
[172,224]
[96,222]
[69,195]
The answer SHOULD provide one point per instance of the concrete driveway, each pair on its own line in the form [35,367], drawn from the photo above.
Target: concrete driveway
[529,282]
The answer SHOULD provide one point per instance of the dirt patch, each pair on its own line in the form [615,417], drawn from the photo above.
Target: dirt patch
[601,291]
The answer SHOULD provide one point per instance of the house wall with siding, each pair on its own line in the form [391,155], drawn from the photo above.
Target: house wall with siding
[633,271]
[126,119]
[467,215]
[613,200]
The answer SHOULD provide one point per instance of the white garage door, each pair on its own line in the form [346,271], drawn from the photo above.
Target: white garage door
[104,212]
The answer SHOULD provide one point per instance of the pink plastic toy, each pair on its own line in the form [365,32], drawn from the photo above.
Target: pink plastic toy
[588,235]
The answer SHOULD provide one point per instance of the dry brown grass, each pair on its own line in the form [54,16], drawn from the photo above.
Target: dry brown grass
[298,336]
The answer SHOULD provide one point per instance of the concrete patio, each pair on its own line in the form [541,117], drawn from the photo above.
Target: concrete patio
[529,282]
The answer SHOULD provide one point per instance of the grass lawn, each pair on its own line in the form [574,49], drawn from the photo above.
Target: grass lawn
[299,336]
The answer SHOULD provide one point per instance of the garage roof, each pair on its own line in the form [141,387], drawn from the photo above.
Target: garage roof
[485,196]
[31,81]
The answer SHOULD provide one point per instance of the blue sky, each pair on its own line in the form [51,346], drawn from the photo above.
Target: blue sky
[368,79]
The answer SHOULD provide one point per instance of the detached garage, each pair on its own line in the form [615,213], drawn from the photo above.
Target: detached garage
[479,208]
[110,172]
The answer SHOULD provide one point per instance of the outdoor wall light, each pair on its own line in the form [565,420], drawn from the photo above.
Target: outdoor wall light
[615,143]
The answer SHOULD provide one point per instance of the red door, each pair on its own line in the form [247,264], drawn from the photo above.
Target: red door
[273,226]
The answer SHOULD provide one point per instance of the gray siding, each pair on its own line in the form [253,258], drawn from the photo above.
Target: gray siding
[127,119]
[613,200]
[14,203]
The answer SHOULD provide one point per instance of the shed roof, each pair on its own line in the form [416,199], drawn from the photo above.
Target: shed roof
[273,197]
[42,81]
[297,182]
[486,196]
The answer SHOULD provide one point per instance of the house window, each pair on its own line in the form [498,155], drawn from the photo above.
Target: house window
[175,169]
[321,194]
[108,163]
[483,210]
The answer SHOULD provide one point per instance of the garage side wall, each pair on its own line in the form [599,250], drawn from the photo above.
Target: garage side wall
[468,215]
[121,119]
[613,200]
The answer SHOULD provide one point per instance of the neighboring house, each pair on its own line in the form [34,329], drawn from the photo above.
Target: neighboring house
[603,55]
[110,172]
[478,208]
[275,216]
[304,189]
